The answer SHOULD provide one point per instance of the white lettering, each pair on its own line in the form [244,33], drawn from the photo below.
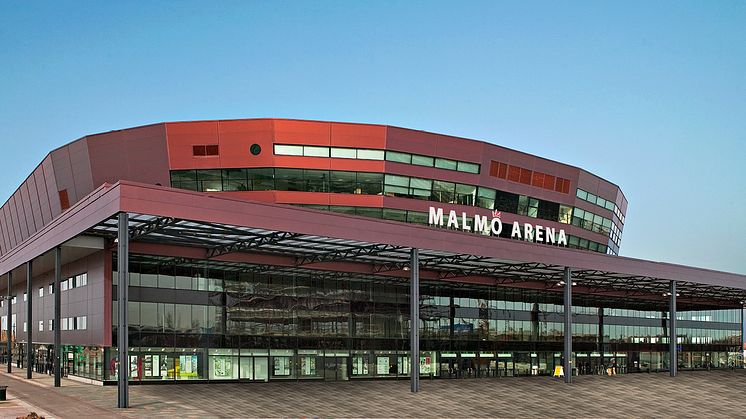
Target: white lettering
[480,223]
[464,224]
[494,226]
[436,216]
[550,235]
[528,232]
[452,219]
[562,238]
[499,229]
[516,234]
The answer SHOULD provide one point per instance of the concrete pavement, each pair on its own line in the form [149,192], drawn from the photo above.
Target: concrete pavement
[691,394]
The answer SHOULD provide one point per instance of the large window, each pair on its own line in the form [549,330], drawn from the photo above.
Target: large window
[374,154]
[601,202]
[368,183]
[440,163]
[324,151]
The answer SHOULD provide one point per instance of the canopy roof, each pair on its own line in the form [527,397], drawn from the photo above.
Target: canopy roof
[262,236]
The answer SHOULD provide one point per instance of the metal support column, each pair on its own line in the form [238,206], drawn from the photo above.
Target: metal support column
[742,349]
[600,348]
[29,322]
[567,279]
[122,299]
[9,323]
[673,362]
[57,313]
[414,330]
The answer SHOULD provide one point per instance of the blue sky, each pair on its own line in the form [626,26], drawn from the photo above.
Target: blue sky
[649,95]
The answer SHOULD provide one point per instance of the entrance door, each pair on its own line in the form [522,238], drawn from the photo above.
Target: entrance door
[505,367]
[261,368]
[335,368]
[448,367]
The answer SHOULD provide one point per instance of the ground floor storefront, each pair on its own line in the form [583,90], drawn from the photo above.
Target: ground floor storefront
[262,365]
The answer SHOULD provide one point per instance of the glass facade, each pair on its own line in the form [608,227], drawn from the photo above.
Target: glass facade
[370,183]
[194,321]
[418,217]
[374,154]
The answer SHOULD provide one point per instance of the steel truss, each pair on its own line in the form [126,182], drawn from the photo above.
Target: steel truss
[385,260]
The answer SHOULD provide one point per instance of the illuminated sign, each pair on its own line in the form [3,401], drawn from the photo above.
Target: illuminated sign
[494,226]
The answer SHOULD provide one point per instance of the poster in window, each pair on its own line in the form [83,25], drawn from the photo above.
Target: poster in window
[382,365]
[186,364]
[148,366]
[155,363]
[359,366]
[221,365]
[133,367]
[308,365]
[282,366]
[425,365]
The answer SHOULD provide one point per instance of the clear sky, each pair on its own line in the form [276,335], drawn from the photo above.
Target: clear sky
[650,95]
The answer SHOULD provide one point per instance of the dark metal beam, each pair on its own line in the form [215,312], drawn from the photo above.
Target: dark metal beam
[672,344]
[29,322]
[123,318]
[414,328]
[150,226]
[252,243]
[8,323]
[567,278]
[353,252]
[57,315]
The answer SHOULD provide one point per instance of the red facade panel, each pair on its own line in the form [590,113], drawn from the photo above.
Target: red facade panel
[514,173]
[502,171]
[549,182]
[183,136]
[34,202]
[9,228]
[64,200]
[19,225]
[302,132]
[25,202]
[4,238]
[358,135]
[6,229]
[138,154]
[494,168]
[538,180]
[80,164]
[41,195]
[236,139]
[63,172]
[51,183]
[525,176]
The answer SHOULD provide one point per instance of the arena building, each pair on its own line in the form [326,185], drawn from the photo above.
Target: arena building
[274,249]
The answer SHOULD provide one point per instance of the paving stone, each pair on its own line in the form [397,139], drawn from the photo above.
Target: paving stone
[691,394]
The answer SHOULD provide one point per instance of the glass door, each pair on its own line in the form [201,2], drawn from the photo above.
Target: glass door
[246,368]
[261,368]
[335,368]
[505,365]
[448,365]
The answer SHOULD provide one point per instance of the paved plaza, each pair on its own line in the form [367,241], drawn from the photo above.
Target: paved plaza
[691,394]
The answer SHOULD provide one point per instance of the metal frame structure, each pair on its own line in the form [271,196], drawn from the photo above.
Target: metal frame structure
[376,259]
[285,245]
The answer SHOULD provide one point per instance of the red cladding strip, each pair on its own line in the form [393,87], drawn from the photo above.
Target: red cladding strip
[528,177]
[205,150]
[64,200]
[493,168]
